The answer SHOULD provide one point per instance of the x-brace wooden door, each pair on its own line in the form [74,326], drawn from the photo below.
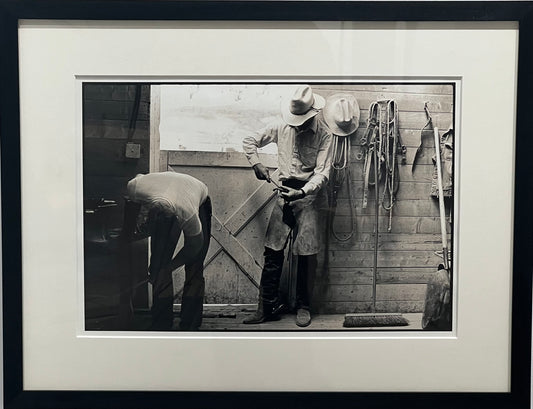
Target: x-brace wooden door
[241,210]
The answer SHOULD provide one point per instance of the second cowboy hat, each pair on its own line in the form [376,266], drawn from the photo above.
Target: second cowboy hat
[303,104]
[342,114]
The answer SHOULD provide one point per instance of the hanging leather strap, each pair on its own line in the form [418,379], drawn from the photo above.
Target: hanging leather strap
[369,144]
[392,147]
[382,149]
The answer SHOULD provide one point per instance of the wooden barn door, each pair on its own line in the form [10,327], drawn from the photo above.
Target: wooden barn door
[241,208]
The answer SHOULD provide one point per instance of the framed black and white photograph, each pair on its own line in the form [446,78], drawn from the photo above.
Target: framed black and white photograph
[218,133]
[256,204]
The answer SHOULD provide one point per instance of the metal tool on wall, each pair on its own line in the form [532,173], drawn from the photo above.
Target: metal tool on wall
[437,305]
[442,212]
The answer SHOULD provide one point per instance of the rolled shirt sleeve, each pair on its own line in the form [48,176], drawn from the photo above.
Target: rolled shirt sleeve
[251,143]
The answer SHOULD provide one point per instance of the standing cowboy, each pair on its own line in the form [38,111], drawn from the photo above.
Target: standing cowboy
[163,205]
[304,164]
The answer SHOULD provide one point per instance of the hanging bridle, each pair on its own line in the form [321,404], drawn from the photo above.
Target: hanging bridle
[381,144]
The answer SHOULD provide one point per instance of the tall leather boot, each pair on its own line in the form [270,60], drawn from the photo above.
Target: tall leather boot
[266,311]
[268,303]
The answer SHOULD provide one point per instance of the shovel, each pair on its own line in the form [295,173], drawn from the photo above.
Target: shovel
[437,306]
[442,212]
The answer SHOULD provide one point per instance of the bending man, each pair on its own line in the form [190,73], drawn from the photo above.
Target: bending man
[163,205]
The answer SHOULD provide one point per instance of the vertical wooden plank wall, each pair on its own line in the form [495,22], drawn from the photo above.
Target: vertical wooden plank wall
[107,111]
[406,256]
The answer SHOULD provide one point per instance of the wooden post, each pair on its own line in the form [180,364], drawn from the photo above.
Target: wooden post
[155,116]
[155,151]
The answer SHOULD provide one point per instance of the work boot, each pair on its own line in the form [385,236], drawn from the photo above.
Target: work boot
[303,317]
[265,312]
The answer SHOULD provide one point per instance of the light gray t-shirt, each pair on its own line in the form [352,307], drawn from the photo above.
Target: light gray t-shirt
[175,194]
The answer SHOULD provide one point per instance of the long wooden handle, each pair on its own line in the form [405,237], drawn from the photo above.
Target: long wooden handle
[376,229]
[441,199]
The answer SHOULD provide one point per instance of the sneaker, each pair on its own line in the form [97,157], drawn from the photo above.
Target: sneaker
[303,317]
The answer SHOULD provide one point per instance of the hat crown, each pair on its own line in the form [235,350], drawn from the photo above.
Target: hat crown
[302,100]
[303,105]
[343,112]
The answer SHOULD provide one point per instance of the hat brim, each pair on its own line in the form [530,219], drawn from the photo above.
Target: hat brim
[297,120]
[330,122]
[334,128]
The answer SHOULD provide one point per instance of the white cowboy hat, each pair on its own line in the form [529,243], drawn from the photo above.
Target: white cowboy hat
[342,114]
[303,104]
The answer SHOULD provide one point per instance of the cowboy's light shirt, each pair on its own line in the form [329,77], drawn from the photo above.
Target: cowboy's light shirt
[301,155]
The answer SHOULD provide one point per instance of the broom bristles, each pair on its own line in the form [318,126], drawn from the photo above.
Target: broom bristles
[374,320]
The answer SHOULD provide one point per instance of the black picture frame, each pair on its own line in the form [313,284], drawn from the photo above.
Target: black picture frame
[11,11]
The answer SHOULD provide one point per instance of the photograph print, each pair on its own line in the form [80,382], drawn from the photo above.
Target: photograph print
[294,206]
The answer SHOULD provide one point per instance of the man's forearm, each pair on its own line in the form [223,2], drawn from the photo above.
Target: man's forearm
[250,146]
[314,184]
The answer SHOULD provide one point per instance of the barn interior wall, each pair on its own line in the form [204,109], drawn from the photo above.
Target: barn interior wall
[407,254]
[110,121]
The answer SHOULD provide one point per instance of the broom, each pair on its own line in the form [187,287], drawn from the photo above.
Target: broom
[374,319]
